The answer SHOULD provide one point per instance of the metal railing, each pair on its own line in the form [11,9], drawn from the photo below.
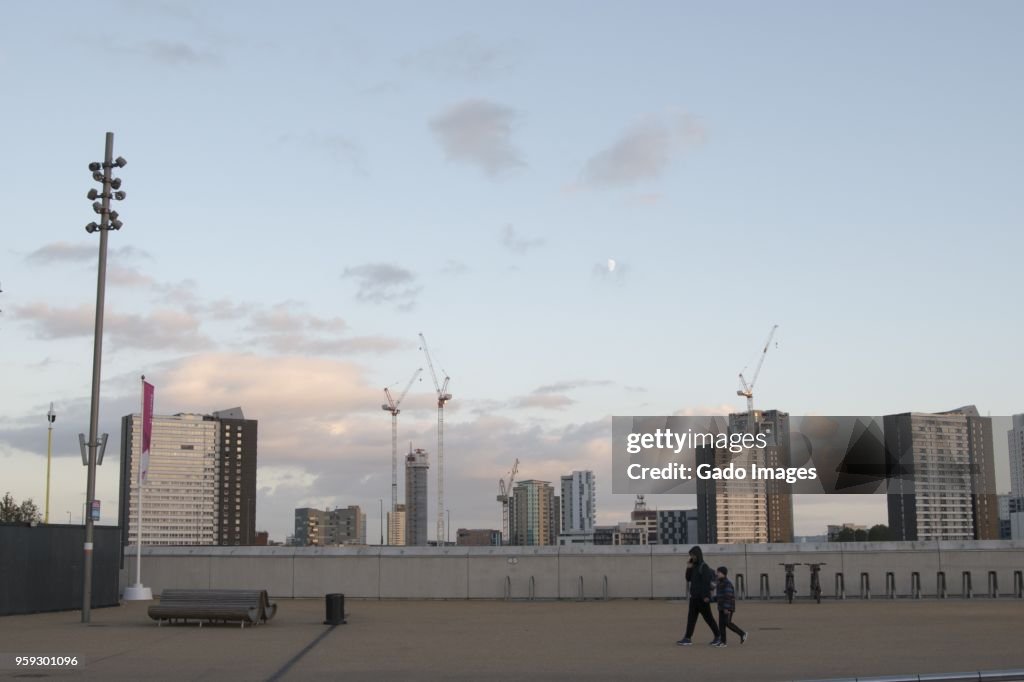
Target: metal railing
[890,585]
[840,585]
[1018,584]
[940,585]
[915,585]
[865,586]
[741,586]
[765,592]
[993,585]
[967,589]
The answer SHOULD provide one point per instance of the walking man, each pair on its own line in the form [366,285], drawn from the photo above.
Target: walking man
[725,596]
[700,578]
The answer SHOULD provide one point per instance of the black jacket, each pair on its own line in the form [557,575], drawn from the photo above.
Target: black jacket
[700,577]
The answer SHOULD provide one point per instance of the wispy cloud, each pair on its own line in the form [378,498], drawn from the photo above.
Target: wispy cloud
[383,283]
[465,57]
[175,53]
[644,152]
[571,385]
[341,148]
[67,252]
[478,132]
[513,241]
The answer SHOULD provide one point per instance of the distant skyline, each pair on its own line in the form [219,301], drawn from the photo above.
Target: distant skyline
[589,210]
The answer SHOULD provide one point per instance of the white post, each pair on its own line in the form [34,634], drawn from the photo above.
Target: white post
[138,592]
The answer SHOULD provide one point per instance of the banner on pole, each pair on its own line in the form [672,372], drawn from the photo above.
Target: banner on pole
[147,428]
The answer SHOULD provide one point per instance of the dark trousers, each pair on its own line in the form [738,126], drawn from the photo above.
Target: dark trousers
[699,606]
[725,624]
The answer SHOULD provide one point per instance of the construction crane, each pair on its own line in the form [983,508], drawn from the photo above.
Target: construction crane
[504,491]
[392,407]
[747,390]
[443,396]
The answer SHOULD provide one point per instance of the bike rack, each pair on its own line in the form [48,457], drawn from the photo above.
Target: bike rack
[840,585]
[604,589]
[967,589]
[915,585]
[765,593]
[741,586]
[890,585]
[508,587]
[1018,584]
[993,584]
[533,588]
[579,595]
[865,586]
[940,584]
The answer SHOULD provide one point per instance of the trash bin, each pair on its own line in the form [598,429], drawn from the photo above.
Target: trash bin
[335,604]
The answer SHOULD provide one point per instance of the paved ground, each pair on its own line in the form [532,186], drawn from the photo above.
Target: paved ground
[460,640]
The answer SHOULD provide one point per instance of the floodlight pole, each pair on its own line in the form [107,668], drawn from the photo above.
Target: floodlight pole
[50,417]
[97,357]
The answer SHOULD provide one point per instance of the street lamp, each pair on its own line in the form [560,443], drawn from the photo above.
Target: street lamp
[51,416]
[101,173]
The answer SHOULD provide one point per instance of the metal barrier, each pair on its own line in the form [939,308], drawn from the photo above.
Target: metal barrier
[604,589]
[580,590]
[533,588]
[865,586]
[1018,584]
[508,587]
[993,584]
[840,585]
[765,592]
[741,586]
[915,585]
[967,591]
[890,585]
[940,585]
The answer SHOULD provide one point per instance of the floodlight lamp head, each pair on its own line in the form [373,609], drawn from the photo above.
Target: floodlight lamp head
[92,194]
[91,227]
[120,196]
[120,162]
[115,183]
[97,176]
[97,206]
[114,215]
[116,224]
[95,166]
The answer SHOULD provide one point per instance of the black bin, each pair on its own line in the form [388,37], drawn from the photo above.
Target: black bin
[335,604]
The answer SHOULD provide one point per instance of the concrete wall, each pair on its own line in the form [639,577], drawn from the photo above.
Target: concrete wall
[556,572]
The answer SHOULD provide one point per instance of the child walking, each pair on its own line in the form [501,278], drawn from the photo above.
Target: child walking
[725,596]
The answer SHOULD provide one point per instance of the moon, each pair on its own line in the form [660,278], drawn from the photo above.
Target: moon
[611,265]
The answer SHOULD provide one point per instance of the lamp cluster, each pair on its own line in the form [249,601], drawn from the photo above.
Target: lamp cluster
[110,189]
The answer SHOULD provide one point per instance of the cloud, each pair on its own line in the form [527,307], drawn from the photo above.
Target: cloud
[464,57]
[644,152]
[478,132]
[175,53]
[611,270]
[544,401]
[161,329]
[381,283]
[66,252]
[512,241]
[342,149]
[563,386]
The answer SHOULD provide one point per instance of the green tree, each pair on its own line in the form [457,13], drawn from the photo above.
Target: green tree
[846,535]
[12,512]
[860,535]
[879,533]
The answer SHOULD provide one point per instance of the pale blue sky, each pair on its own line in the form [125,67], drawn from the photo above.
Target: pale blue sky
[848,171]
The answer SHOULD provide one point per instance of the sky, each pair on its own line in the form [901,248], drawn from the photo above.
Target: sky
[589,209]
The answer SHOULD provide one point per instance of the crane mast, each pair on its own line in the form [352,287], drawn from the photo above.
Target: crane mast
[747,390]
[443,396]
[504,492]
[392,407]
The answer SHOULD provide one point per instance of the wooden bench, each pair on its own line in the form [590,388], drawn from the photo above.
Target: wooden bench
[213,606]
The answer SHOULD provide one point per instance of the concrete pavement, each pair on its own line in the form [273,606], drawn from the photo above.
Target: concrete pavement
[471,640]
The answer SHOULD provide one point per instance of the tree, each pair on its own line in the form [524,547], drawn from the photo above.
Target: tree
[845,535]
[12,512]
[879,533]
[860,535]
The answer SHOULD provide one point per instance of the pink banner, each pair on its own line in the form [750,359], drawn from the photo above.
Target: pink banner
[147,428]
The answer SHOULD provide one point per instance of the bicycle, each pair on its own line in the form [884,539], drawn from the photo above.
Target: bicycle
[790,581]
[816,581]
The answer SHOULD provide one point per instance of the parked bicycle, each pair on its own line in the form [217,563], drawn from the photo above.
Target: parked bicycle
[816,581]
[790,581]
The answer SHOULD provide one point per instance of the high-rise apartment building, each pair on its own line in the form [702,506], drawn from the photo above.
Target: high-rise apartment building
[478,537]
[329,528]
[201,483]
[578,508]
[534,514]
[417,467]
[677,527]
[747,510]
[645,519]
[946,490]
[1015,445]
[396,526]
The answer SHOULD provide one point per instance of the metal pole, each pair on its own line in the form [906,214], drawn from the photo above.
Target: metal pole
[97,356]
[138,530]
[381,500]
[50,417]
